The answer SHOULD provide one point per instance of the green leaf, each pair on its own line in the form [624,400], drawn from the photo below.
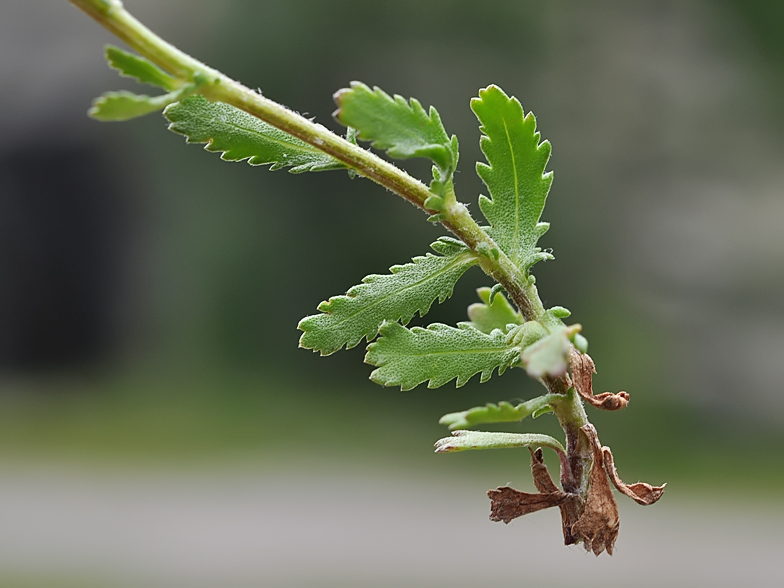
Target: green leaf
[437,355]
[464,440]
[548,356]
[515,175]
[238,136]
[122,105]
[139,68]
[408,289]
[580,342]
[493,315]
[526,334]
[404,130]
[503,412]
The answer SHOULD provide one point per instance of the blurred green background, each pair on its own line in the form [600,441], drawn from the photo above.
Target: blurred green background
[149,292]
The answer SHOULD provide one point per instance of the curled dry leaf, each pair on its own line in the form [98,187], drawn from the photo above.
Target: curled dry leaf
[640,492]
[583,368]
[571,506]
[595,521]
[598,526]
[507,503]
[542,479]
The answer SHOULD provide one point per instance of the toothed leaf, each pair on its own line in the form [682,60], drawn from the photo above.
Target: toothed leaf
[503,412]
[496,315]
[465,440]
[122,105]
[238,136]
[139,68]
[438,354]
[398,296]
[515,175]
[404,130]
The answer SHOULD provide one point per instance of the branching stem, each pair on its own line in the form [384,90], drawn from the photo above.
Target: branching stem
[218,87]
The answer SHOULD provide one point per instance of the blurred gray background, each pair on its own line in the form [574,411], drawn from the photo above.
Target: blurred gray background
[159,425]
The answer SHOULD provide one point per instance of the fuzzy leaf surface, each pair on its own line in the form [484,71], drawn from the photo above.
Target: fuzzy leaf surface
[548,356]
[139,68]
[515,175]
[238,136]
[465,440]
[404,130]
[398,296]
[487,317]
[122,105]
[438,354]
[503,412]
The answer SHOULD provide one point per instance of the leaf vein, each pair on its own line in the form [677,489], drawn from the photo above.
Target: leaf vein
[516,187]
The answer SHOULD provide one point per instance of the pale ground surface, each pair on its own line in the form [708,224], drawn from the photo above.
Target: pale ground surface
[303,526]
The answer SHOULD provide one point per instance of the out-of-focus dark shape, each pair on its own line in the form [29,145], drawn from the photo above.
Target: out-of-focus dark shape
[60,255]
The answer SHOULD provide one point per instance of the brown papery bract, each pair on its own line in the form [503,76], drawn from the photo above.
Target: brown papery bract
[570,508]
[583,368]
[641,492]
[598,526]
[508,504]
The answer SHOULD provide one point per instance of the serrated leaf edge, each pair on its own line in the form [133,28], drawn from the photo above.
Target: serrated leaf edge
[415,107]
[294,144]
[540,228]
[486,374]
[459,258]
[166,81]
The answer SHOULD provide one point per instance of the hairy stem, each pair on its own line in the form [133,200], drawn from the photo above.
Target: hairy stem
[218,87]
[571,415]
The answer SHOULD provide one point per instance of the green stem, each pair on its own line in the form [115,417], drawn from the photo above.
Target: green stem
[218,87]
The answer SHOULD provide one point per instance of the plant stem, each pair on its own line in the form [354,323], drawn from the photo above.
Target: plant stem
[571,415]
[218,87]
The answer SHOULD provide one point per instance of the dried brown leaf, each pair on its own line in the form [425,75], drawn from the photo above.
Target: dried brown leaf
[508,504]
[641,492]
[583,368]
[570,507]
[599,524]
[542,480]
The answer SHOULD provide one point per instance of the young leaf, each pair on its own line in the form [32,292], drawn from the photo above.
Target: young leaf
[548,356]
[526,334]
[503,412]
[515,175]
[122,105]
[239,136]
[404,130]
[493,315]
[142,70]
[438,354]
[398,296]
